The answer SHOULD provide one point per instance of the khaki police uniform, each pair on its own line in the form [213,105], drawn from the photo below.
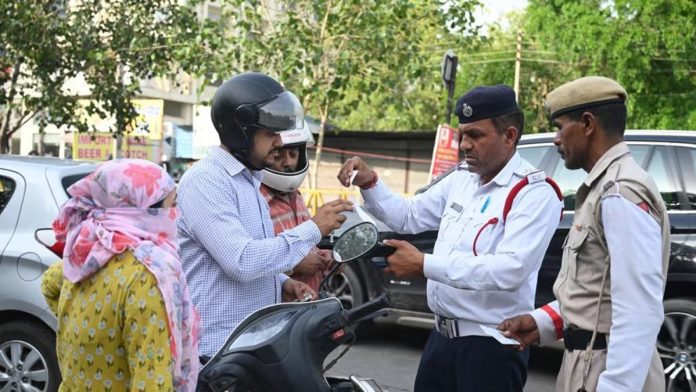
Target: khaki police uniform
[586,257]
[583,310]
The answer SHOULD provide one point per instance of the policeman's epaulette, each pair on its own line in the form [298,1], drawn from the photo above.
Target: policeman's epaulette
[607,186]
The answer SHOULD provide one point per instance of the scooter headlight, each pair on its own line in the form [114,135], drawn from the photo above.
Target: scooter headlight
[264,329]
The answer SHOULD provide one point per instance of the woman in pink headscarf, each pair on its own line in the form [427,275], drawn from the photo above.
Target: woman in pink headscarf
[125,319]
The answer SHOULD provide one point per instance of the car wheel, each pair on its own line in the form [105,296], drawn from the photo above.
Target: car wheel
[676,344]
[28,357]
[346,287]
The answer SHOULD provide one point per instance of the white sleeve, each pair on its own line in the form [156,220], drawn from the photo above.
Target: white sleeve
[549,322]
[528,230]
[637,284]
[416,215]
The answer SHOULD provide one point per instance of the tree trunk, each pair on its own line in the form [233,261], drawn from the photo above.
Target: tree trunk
[4,144]
[41,146]
[118,146]
[6,132]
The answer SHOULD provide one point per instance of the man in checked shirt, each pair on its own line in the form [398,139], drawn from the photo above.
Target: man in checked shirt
[281,182]
[233,261]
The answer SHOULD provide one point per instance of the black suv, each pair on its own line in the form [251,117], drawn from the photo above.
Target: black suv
[670,157]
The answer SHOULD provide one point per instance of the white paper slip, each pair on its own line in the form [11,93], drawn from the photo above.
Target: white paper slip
[497,335]
[352,177]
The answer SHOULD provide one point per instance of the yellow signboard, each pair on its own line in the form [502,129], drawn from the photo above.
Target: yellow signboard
[137,147]
[148,123]
[98,146]
[149,120]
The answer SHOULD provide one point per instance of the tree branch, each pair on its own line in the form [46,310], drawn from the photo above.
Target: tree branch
[325,21]
[268,15]
[10,98]
[23,120]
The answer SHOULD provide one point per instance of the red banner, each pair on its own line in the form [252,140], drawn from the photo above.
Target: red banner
[445,151]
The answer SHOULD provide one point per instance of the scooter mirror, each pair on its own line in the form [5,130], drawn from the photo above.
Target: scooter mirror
[355,242]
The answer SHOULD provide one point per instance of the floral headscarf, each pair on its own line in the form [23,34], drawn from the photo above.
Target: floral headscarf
[108,214]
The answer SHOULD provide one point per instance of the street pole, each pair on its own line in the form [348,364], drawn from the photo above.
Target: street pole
[518,61]
[449,76]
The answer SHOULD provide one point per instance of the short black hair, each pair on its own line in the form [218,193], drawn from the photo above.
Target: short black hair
[511,119]
[612,117]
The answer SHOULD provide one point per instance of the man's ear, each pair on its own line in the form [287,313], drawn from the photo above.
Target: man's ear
[511,135]
[589,121]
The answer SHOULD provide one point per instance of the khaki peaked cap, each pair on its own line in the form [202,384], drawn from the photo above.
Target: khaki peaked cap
[587,92]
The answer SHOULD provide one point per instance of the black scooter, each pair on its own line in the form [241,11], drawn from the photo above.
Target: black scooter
[283,347]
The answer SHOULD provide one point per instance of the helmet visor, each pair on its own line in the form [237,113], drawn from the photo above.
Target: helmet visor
[282,113]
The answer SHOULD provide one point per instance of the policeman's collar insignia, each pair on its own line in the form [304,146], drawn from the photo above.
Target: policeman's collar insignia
[467,111]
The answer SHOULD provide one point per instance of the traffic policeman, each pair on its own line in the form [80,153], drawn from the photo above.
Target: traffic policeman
[484,266]
[610,287]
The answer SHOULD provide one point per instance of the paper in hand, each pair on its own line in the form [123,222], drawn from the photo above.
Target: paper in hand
[497,335]
[352,177]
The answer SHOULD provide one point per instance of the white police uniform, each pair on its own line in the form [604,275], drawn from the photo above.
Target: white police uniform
[500,281]
[484,267]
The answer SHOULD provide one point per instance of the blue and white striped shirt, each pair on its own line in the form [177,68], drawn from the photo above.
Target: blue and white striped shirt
[233,262]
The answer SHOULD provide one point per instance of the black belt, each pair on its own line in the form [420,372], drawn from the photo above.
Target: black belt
[579,339]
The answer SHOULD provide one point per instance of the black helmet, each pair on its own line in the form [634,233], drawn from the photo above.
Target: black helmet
[249,102]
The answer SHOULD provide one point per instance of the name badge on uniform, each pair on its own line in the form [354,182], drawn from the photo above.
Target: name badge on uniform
[456,207]
[536,176]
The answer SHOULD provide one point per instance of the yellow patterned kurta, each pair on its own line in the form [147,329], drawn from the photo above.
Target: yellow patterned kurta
[112,328]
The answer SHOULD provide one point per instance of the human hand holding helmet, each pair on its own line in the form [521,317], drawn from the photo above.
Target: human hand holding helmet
[329,217]
[364,174]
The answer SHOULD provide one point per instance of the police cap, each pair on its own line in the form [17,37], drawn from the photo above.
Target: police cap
[485,102]
[583,93]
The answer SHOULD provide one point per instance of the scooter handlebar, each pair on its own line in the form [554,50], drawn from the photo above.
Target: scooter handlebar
[366,309]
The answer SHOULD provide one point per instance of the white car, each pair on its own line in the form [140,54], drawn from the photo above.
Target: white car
[31,191]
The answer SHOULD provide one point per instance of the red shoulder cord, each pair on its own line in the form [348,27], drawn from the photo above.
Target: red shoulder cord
[508,204]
